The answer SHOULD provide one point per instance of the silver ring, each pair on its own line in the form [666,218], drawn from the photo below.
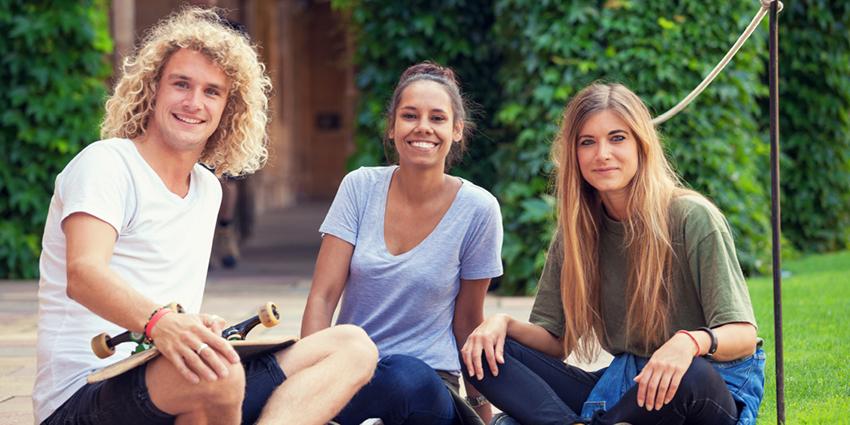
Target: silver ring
[201,347]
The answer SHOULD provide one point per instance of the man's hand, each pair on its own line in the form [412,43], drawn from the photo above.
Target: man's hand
[214,323]
[660,378]
[193,344]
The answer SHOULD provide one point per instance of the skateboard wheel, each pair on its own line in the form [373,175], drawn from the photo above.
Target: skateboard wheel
[100,346]
[268,315]
[175,307]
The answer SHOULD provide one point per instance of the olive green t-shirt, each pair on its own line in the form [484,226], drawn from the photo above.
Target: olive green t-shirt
[708,286]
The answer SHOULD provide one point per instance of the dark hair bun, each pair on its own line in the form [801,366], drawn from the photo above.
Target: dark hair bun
[429,68]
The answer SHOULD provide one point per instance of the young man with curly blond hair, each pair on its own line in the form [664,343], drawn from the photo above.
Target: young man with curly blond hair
[129,230]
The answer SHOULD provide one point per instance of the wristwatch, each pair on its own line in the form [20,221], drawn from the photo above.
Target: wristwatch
[713,347]
[476,401]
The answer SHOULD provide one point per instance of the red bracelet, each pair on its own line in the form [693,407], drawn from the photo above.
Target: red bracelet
[699,349]
[155,318]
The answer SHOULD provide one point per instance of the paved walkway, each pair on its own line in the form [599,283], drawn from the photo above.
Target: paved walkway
[277,265]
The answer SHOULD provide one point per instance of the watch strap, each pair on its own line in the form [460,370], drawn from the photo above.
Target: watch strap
[713,347]
[476,401]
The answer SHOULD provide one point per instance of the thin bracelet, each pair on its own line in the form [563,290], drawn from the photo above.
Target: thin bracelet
[699,349]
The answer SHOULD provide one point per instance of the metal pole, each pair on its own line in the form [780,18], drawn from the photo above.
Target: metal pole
[775,210]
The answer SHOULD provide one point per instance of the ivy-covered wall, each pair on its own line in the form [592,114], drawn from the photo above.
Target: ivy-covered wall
[661,50]
[390,36]
[814,105]
[52,72]
[523,59]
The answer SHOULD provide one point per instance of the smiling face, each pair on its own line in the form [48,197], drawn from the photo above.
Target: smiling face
[190,99]
[424,127]
[607,154]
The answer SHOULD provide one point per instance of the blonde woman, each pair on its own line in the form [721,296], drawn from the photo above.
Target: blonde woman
[129,230]
[642,267]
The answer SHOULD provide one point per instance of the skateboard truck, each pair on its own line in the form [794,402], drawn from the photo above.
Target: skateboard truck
[103,345]
[268,316]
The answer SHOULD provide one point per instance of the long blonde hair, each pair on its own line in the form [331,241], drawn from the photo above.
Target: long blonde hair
[646,226]
[238,146]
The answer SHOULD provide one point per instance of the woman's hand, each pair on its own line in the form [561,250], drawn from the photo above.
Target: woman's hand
[660,378]
[489,338]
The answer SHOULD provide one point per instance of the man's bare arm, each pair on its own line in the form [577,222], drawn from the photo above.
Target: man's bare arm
[90,242]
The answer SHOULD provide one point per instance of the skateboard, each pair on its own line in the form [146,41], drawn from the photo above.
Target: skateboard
[104,346]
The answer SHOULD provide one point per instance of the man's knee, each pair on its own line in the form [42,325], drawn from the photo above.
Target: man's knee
[225,391]
[351,346]
[173,394]
[359,349]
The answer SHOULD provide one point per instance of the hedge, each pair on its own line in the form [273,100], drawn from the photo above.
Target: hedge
[390,36]
[542,52]
[661,50]
[815,123]
[52,74]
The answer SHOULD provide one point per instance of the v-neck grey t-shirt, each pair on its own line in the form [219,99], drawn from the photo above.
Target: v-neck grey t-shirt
[406,302]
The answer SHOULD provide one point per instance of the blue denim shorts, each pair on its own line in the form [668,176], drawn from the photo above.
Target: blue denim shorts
[125,398]
[745,379]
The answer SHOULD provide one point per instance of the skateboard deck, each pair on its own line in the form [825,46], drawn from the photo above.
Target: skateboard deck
[245,348]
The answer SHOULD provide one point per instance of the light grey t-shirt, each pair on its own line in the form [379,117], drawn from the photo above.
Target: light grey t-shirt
[406,302]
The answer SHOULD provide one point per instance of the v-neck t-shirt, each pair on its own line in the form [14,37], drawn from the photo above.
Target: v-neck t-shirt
[406,302]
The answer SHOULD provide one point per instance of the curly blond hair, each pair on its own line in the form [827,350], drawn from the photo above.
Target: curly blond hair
[238,146]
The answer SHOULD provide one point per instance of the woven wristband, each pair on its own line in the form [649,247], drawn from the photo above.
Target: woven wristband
[692,339]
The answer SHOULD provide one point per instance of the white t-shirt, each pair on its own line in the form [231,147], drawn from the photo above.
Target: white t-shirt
[162,251]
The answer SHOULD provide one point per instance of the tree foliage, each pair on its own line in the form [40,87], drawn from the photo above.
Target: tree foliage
[661,50]
[543,52]
[390,36]
[815,123]
[52,74]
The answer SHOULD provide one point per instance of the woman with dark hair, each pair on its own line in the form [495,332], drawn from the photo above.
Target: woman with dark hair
[639,265]
[411,251]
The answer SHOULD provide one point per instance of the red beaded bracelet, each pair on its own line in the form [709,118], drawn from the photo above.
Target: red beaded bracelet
[162,311]
[699,349]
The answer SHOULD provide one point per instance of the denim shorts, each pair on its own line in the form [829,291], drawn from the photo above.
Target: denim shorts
[745,379]
[125,398]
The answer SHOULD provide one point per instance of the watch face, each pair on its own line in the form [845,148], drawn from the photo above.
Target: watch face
[476,401]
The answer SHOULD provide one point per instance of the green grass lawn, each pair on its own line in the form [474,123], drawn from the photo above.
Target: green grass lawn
[816,334]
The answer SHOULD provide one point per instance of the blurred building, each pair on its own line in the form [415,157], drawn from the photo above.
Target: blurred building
[307,51]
